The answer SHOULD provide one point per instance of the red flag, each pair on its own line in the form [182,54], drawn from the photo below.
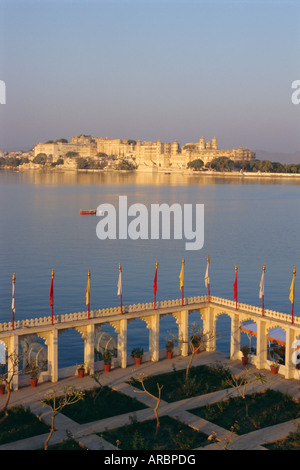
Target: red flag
[155,282]
[51,293]
[235,285]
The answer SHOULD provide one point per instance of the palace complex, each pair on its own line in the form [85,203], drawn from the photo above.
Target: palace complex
[145,154]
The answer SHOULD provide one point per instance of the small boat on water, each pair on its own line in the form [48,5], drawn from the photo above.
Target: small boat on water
[88,212]
[92,212]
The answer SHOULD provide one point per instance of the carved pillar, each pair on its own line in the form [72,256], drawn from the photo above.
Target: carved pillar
[182,319]
[261,344]
[209,328]
[235,341]
[13,352]
[89,348]
[153,326]
[290,366]
[122,343]
[52,342]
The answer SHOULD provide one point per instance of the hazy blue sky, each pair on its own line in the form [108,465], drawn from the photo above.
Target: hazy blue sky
[151,70]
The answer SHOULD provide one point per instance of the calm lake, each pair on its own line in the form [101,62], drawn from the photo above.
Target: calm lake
[248,222]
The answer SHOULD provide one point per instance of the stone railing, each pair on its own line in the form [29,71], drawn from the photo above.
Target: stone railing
[143,307]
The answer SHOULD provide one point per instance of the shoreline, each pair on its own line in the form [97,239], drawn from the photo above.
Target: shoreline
[167,172]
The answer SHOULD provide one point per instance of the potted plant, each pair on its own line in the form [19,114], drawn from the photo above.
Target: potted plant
[245,351]
[81,370]
[274,367]
[107,360]
[137,353]
[34,372]
[169,348]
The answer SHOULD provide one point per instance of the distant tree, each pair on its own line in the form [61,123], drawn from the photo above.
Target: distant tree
[195,165]
[125,165]
[41,159]
[222,164]
[82,163]
[72,154]
[63,141]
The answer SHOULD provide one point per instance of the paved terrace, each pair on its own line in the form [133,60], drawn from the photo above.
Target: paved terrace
[85,434]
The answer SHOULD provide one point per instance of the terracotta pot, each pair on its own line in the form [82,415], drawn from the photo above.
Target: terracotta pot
[33,382]
[81,373]
[138,361]
[169,354]
[2,389]
[244,360]
[274,369]
[106,367]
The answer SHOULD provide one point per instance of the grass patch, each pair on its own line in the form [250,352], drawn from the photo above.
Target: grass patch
[291,442]
[264,409]
[202,379]
[172,435]
[20,423]
[100,404]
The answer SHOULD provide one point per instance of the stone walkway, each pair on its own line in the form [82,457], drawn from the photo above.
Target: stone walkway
[86,435]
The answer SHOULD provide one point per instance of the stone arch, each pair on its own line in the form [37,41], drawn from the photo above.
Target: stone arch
[222,327]
[276,341]
[67,354]
[248,327]
[168,326]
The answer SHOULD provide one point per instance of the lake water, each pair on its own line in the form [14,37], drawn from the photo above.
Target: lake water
[248,222]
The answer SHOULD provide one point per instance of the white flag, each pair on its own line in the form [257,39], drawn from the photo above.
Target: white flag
[13,297]
[206,278]
[120,284]
[262,285]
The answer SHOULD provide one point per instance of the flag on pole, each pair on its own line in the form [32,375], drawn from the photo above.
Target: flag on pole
[13,293]
[262,284]
[206,278]
[235,285]
[155,284]
[51,293]
[87,292]
[155,280]
[120,281]
[120,288]
[13,301]
[181,275]
[292,288]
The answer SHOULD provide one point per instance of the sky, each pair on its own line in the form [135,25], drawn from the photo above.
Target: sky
[149,70]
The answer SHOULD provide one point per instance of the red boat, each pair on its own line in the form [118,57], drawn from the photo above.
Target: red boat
[87,212]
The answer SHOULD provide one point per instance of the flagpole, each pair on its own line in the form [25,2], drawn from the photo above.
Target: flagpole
[155,283]
[13,300]
[121,299]
[263,295]
[208,284]
[89,277]
[51,299]
[182,290]
[294,274]
[236,293]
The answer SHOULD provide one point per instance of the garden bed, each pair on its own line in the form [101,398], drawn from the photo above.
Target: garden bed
[264,409]
[172,435]
[20,424]
[100,404]
[202,380]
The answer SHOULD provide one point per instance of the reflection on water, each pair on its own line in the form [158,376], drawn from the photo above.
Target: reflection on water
[58,177]
[249,222]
